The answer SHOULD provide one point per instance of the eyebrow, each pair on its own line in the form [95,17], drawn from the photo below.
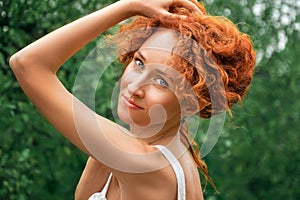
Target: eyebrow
[160,72]
[139,53]
[164,74]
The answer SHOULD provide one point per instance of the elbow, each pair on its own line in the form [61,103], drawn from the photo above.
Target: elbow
[13,61]
[26,63]
[19,63]
[25,66]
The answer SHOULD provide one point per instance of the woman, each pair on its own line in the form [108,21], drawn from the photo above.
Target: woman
[171,71]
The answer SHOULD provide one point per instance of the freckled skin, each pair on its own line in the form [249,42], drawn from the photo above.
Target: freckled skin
[146,93]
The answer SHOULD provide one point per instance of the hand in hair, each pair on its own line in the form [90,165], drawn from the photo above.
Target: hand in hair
[160,8]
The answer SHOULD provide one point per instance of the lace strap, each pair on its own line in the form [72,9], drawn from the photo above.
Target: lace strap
[104,190]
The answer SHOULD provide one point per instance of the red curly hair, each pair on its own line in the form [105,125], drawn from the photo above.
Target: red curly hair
[213,48]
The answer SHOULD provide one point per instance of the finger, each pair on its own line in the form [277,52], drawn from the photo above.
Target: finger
[172,16]
[189,5]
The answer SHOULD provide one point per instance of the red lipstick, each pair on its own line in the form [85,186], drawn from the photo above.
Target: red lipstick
[131,104]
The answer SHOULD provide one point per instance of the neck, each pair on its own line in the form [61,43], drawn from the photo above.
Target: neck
[156,133]
[169,136]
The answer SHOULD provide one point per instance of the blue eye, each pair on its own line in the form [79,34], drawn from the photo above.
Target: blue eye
[139,63]
[161,82]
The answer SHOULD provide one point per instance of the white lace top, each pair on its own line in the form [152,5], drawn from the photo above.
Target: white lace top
[176,167]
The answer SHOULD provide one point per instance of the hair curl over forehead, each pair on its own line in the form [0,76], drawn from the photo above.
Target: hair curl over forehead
[210,47]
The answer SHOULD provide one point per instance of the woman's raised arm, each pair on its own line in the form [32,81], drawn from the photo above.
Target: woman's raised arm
[36,65]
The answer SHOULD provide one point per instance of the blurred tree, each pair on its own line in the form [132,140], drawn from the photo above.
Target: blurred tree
[257,157]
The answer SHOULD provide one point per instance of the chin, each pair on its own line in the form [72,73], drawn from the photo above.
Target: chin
[125,117]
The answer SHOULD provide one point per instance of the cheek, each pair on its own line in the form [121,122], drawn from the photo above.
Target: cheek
[169,101]
[122,85]
[173,107]
[122,113]
[123,81]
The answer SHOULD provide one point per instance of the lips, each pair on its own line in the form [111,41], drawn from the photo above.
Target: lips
[131,104]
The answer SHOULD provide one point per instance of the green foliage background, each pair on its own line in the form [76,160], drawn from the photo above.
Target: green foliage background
[256,157]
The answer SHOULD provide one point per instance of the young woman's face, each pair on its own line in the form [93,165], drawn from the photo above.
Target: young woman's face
[147,85]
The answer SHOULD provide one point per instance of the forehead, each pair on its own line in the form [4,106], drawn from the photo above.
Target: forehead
[160,44]
[157,49]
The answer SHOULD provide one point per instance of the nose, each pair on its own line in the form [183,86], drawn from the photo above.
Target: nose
[135,89]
